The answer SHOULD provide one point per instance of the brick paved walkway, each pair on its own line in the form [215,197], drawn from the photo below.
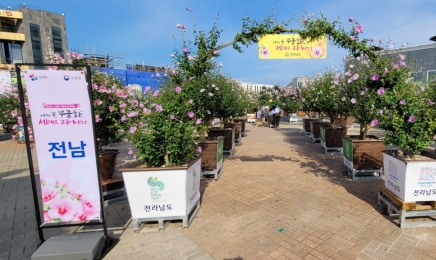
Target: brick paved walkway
[280,197]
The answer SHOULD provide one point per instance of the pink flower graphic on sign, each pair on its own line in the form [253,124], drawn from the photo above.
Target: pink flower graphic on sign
[264,51]
[317,51]
[90,209]
[63,209]
[48,192]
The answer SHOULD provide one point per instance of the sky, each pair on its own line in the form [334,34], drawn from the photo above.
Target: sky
[143,31]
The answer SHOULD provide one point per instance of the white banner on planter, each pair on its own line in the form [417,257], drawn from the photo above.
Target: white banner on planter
[415,181]
[62,124]
[5,81]
[348,163]
[163,193]
[193,177]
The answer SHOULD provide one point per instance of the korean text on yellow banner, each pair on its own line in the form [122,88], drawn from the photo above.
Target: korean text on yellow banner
[291,46]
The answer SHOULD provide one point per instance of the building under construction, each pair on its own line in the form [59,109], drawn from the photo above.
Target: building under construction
[105,59]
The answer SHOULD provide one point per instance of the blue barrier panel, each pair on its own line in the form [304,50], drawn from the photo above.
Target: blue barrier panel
[130,77]
[119,74]
[144,79]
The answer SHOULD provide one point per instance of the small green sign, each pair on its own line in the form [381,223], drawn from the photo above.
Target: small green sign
[322,132]
[347,147]
[220,149]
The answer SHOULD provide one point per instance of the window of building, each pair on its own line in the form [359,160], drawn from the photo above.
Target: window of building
[431,74]
[10,52]
[16,54]
[35,38]
[57,40]
[6,27]
[418,76]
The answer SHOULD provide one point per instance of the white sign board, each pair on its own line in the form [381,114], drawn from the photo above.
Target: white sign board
[414,181]
[5,81]
[62,124]
[163,193]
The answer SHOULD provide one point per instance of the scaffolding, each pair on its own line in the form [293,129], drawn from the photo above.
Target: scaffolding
[101,58]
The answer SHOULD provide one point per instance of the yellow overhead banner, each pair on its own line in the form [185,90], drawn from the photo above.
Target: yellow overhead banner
[291,46]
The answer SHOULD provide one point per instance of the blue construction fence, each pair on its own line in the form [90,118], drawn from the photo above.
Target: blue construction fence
[130,77]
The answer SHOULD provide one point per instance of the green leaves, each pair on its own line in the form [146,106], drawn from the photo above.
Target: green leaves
[8,103]
[107,107]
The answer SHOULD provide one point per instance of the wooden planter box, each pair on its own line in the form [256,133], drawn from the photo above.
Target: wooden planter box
[314,128]
[212,150]
[306,123]
[228,133]
[363,154]
[344,121]
[212,159]
[340,122]
[237,127]
[242,121]
[332,137]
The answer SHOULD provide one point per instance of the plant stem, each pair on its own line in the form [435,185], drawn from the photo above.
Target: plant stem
[365,131]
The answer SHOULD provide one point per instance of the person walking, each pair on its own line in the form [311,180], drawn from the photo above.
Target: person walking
[266,114]
[259,117]
[276,117]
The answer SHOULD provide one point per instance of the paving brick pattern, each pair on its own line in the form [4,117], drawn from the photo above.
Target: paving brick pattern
[279,197]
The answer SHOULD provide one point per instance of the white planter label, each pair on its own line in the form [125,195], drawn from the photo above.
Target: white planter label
[348,163]
[219,164]
[154,194]
[414,181]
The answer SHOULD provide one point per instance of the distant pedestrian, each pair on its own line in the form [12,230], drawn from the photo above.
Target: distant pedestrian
[259,116]
[276,117]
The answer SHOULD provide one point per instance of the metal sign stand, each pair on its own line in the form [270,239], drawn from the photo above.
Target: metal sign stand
[60,245]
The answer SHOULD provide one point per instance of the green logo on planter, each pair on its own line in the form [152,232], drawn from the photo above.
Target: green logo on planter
[348,149]
[220,150]
[155,183]
[322,132]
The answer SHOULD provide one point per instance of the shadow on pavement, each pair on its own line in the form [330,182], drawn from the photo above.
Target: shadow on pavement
[330,167]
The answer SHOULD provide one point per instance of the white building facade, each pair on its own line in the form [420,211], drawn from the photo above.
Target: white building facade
[297,83]
[254,87]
